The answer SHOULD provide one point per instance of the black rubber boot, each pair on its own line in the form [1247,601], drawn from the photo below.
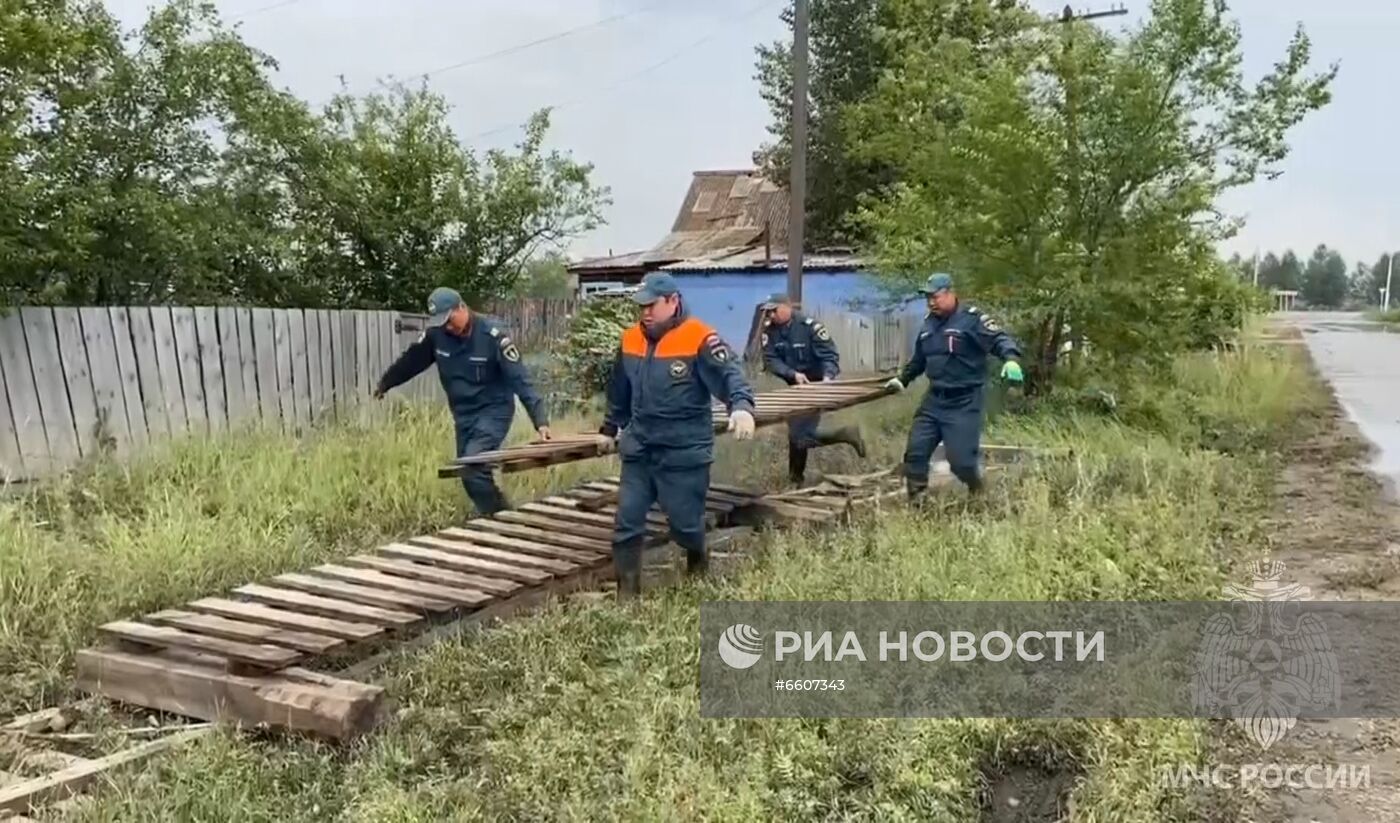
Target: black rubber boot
[917,488]
[797,465]
[627,562]
[849,435]
[697,560]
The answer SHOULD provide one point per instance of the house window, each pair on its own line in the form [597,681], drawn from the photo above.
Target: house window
[705,201]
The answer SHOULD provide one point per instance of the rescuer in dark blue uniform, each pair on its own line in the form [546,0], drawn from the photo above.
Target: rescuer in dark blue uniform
[668,367]
[952,350]
[481,373]
[800,350]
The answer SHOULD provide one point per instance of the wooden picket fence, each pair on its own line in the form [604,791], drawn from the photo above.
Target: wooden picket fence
[76,382]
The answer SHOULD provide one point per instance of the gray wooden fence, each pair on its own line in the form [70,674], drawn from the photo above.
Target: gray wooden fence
[76,382]
[869,343]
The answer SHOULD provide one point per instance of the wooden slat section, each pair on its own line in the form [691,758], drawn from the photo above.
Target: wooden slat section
[434,574]
[192,382]
[510,558]
[542,522]
[488,573]
[262,656]
[77,378]
[601,521]
[289,620]
[11,454]
[313,363]
[510,571]
[286,394]
[360,594]
[211,367]
[128,377]
[569,541]
[264,338]
[363,380]
[301,378]
[366,577]
[146,364]
[524,546]
[230,367]
[47,368]
[247,362]
[328,606]
[228,629]
[168,365]
[292,698]
[327,358]
[101,349]
[594,508]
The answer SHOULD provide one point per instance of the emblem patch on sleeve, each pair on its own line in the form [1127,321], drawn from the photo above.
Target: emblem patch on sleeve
[678,369]
[509,351]
[822,333]
[718,350]
[989,324]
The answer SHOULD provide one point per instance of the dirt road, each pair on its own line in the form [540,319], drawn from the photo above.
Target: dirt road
[1337,528]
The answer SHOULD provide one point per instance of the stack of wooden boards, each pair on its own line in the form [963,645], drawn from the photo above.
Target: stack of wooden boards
[770,407]
[246,657]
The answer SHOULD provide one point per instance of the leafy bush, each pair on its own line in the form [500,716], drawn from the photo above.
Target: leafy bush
[593,339]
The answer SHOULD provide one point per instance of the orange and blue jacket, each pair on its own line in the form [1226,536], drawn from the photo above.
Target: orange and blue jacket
[659,394]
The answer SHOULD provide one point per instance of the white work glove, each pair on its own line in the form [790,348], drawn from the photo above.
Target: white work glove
[606,445]
[800,379]
[741,423]
[895,384]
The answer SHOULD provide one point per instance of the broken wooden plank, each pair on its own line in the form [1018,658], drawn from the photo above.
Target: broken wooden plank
[216,626]
[30,795]
[781,512]
[485,538]
[468,546]
[293,698]
[433,574]
[593,519]
[510,571]
[164,637]
[328,606]
[653,515]
[365,577]
[486,573]
[281,618]
[361,594]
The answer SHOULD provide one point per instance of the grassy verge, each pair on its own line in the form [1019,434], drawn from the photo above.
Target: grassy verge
[589,712]
[1392,316]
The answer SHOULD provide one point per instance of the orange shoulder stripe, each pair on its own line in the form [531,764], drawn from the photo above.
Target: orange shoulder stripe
[634,341]
[684,340]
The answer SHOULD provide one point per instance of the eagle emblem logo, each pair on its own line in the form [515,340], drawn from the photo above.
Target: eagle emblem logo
[1261,667]
[678,368]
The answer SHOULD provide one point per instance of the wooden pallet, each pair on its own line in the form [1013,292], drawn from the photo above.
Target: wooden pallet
[245,657]
[770,408]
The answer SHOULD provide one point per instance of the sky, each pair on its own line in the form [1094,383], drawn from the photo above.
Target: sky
[665,87]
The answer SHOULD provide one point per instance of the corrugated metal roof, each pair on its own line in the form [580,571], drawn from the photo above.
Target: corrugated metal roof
[732,200]
[752,260]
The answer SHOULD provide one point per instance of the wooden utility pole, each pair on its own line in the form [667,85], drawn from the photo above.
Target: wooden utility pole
[797,188]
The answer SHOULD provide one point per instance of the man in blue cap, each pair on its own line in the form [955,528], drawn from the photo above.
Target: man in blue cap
[800,350]
[952,350]
[481,373]
[668,367]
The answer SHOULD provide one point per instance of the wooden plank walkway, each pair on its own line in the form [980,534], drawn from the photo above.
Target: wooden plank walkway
[228,658]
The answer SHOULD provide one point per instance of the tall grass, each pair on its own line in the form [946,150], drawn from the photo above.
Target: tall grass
[590,712]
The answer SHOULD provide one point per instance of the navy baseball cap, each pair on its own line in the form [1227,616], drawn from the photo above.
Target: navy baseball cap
[655,286]
[938,283]
[775,300]
[440,304]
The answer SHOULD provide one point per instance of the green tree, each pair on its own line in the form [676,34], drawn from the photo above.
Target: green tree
[1325,279]
[845,61]
[1072,176]
[168,169]
[545,276]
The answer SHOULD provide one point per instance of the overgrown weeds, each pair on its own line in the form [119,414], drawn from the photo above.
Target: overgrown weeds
[587,711]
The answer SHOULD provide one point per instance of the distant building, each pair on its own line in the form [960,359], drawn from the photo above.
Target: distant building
[728,249]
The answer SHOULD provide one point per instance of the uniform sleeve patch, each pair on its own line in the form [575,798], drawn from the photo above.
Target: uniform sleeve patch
[495,332]
[822,333]
[422,336]
[718,350]
[508,350]
[989,324]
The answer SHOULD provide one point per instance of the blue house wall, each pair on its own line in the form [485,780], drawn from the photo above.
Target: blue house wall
[726,299]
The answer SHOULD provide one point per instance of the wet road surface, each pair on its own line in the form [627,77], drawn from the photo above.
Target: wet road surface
[1361,361]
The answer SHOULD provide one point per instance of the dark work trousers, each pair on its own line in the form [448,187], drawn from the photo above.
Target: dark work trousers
[954,418]
[681,490]
[474,437]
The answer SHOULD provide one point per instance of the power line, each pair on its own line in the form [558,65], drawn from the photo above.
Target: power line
[261,9]
[637,75]
[596,24]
